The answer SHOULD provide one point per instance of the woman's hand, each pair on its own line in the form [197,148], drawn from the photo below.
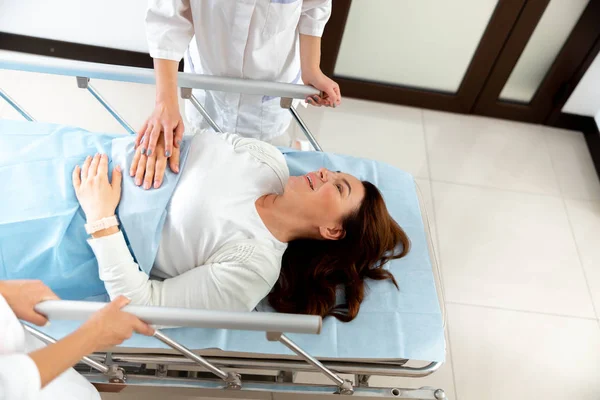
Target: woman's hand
[166,118]
[23,295]
[97,196]
[149,170]
[111,326]
[332,96]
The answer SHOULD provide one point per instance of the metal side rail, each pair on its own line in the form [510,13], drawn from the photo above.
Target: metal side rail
[395,369]
[260,389]
[85,71]
[58,66]
[116,369]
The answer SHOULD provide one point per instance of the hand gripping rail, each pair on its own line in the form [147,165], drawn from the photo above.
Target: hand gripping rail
[274,324]
[168,316]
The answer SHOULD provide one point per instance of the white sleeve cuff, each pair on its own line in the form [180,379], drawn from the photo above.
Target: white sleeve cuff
[111,250]
[166,54]
[311,28]
[19,377]
[315,15]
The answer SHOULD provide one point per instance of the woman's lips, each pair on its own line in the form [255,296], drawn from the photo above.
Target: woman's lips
[310,183]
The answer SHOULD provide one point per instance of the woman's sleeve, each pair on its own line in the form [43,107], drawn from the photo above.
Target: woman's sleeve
[169,28]
[315,14]
[19,378]
[233,286]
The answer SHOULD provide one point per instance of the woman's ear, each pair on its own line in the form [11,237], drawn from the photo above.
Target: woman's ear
[336,233]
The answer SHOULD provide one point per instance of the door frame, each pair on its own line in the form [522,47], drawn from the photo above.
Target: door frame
[508,32]
[562,77]
[494,37]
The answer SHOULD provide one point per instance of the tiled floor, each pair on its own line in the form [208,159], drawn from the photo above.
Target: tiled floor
[516,220]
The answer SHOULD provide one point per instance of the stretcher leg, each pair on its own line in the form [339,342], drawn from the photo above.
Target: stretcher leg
[84,83]
[232,380]
[16,106]
[344,385]
[287,103]
[186,93]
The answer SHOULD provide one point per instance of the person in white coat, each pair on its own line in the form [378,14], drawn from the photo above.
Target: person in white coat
[271,40]
[29,369]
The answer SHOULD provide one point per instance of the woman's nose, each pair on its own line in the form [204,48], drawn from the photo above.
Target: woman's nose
[323,174]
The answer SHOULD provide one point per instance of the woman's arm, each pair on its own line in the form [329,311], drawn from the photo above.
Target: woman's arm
[56,358]
[310,58]
[237,285]
[314,16]
[169,30]
[166,117]
[149,170]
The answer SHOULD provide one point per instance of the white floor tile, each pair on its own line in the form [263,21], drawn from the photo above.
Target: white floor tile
[509,250]
[573,164]
[441,379]
[383,132]
[488,152]
[501,355]
[585,220]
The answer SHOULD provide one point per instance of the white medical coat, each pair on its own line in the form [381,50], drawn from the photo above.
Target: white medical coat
[255,39]
[19,376]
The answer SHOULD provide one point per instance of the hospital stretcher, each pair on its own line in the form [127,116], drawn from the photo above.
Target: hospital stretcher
[264,351]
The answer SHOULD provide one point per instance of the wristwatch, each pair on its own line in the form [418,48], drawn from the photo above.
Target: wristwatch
[104,223]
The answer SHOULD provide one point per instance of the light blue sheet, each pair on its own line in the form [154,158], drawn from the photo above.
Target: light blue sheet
[42,236]
[42,233]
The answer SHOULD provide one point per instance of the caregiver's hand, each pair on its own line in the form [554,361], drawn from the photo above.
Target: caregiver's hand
[149,170]
[332,96]
[165,119]
[111,326]
[23,295]
[97,196]
[106,328]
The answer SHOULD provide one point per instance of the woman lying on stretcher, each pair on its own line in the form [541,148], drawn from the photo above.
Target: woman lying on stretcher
[239,228]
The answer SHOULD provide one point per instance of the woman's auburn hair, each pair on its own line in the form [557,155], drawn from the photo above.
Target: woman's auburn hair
[312,270]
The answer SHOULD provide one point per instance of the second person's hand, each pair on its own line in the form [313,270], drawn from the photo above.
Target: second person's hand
[165,119]
[331,97]
[149,171]
[23,295]
[111,326]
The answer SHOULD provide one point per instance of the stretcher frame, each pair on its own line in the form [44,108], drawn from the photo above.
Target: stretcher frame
[113,371]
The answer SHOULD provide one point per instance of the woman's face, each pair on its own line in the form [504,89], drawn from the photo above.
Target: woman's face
[326,197]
